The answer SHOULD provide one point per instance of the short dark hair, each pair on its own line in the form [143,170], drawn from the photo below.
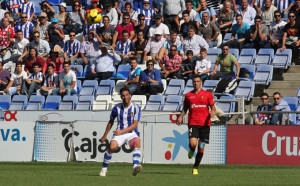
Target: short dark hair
[18,63]
[239,15]
[19,31]
[133,59]
[66,63]
[50,65]
[105,17]
[277,12]
[124,89]
[173,46]
[264,94]
[185,12]
[189,52]
[258,17]
[72,31]
[128,3]
[277,93]
[149,61]
[173,32]
[126,14]
[140,16]
[191,27]
[203,50]
[36,64]
[188,1]
[292,12]
[36,32]
[124,32]
[197,76]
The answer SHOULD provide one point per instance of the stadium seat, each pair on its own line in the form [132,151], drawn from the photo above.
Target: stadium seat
[89,87]
[119,85]
[123,72]
[55,7]
[155,102]
[173,103]
[37,8]
[19,102]
[85,103]
[52,102]
[226,107]
[282,59]
[227,37]
[251,69]
[292,102]
[5,101]
[189,87]
[105,87]
[246,89]
[102,102]
[79,87]
[55,2]
[264,57]
[87,69]
[35,102]
[68,103]
[69,9]
[210,84]
[247,56]
[164,82]
[175,87]
[141,100]
[235,52]
[78,69]
[264,75]
[212,54]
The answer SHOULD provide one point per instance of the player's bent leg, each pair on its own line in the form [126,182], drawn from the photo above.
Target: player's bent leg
[136,144]
[107,157]
[192,144]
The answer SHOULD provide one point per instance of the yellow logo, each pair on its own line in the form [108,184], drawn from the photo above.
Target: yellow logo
[202,97]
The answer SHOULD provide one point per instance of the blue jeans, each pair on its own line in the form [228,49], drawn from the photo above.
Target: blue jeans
[212,44]
[12,90]
[68,92]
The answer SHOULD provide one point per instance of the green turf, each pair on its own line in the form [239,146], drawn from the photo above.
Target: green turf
[40,173]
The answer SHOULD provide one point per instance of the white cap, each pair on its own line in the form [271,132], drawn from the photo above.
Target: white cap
[158,32]
[63,4]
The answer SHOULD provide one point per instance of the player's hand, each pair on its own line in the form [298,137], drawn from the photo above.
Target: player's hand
[117,132]
[179,120]
[103,139]
[212,114]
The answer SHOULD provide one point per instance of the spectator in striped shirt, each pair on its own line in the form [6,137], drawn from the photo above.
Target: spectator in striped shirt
[33,82]
[26,26]
[139,4]
[284,6]
[133,80]
[125,47]
[147,11]
[50,83]
[28,8]
[132,14]
[13,7]
[87,28]
[170,63]
[71,49]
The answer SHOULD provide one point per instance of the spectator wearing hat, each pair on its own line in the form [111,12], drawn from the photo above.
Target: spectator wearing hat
[159,25]
[111,13]
[62,15]
[47,8]
[171,9]
[54,59]
[107,31]
[19,47]
[11,21]
[71,49]
[148,12]
[89,50]
[40,45]
[42,25]
[32,59]
[75,19]
[26,26]
[154,45]
[55,35]
[28,8]
[6,40]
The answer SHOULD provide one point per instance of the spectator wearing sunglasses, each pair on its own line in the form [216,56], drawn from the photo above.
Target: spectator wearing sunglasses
[41,45]
[280,105]
[71,49]
[42,25]
[261,118]
[25,25]
[28,8]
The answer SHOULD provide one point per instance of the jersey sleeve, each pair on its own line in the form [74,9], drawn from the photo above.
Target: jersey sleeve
[137,115]
[210,99]
[114,113]
[186,101]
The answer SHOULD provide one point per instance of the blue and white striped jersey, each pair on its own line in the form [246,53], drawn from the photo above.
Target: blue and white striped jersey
[282,4]
[13,5]
[125,48]
[38,76]
[72,48]
[149,15]
[27,28]
[27,8]
[88,27]
[126,116]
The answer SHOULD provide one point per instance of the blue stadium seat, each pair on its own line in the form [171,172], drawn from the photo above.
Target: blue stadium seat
[37,7]
[55,2]
[123,72]
[56,9]
[282,59]
[251,69]
[78,69]
[226,107]
[173,103]
[155,102]
[68,103]
[5,101]
[85,103]
[227,37]
[89,87]
[105,87]
[175,87]
[35,102]
[189,87]
[264,75]
[235,52]
[79,87]
[69,9]
[210,84]
[264,57]
[247,56]
[212,54]
[297,119]
[246,89]
[87,69]
[292,102]
[52,102]
[18,102]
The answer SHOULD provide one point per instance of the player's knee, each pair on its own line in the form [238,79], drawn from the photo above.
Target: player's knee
[113,146]
[135,143]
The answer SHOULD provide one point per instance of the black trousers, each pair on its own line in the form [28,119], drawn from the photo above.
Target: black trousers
[170,22]
[99,75]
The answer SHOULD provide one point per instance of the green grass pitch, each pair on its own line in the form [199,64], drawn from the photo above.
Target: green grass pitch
[86,173]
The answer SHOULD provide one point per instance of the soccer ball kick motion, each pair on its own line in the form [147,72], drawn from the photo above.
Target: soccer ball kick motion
[128,115]
[201,108]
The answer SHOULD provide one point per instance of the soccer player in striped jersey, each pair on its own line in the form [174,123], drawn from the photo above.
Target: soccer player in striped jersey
[25,25]
[128,116]
[28,8]
[147,11]
[71,49]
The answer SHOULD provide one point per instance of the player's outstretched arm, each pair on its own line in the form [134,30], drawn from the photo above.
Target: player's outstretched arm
[108,127]
[128,129]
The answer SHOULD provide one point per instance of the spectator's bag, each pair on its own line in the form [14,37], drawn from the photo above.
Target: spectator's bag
[227,84]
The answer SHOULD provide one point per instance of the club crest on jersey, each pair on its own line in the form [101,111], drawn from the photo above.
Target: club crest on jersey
[202,97]
[131,114]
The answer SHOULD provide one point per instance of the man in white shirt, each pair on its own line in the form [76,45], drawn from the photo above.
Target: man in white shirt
[16,80]
[33,82]
[154,45]
[247,12]
[158,25]
[111,13]
[19,47]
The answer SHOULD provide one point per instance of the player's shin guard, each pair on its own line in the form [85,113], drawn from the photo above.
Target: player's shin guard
[107,158]
[136,157]
[198,158]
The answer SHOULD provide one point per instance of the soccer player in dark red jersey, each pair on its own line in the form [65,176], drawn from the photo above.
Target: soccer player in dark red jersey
[201,108]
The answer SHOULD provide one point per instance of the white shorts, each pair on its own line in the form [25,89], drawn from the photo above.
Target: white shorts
[124,138]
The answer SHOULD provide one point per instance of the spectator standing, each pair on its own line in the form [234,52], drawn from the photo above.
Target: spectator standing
[13,7]
[190,12]
[32,59]
[19,47]
[55,60]
[202,66]
[42,25]
[28,8]
[184,26]
[248,13]
[33,81]
[4,77]
[107,31]
[226,18]
[170,10]
[55,35]
[62,15]
[170,63]
[126,25]
[75,19]
[50,83]
[209,30]
[159,25]
[121,7]
[16,80]
[267,13]
[40,45]
[6,40]
[260,118]
[280,105]
[111,13]
[133,80]
[89,50]
[71,49]
[24,25]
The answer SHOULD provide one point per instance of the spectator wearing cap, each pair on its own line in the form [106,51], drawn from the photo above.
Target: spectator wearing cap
[13,7]
[71,49]
[19,47]
[111,13]
[171,9]
[11,21]
[47,8]
[209,30]
[4,77]
[54,58]
[41,45]
[26,26]
[189,11]
[125,25]
[89,50]
[106,31]
[104,65]
[154,45]
[159,25]
[75,19]
[62,15]
[42,25]
[6,40]
[55,35]
[132,14]
[28,8]
[142,26]
[121,6]
[32,59]
[147,11]
[170,63]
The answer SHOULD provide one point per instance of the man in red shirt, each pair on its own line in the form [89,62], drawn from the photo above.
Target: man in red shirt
[198,102]
[7,35]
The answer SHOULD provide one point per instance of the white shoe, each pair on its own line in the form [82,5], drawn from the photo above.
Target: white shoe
[136,170]
[103,173]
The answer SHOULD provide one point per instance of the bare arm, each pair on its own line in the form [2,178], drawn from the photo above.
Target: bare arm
[128,129]
[236,63]
[71,86]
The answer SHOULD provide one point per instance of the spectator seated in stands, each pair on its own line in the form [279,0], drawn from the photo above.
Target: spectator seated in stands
[267,13]
[86,29]
[258,35]
[42,25]
[202,66]
[50,83]
[226,18]
[132,14]
[16,80]
[140,46]
[187,66]
[154,45]
[62,15]
[107,31]
[75,19]
[48,9]
[259,118]
[276,32]
[32,59]
[247,11]
[184,27]
[20,44]
[142,26]
[218,112]
[280,105]
[151,80]
[55,35]
[28,8]
[166,49]
[226,60]
[89,50]
[104,65]
[25,26]
[111,13]
[291,37]
[158,26]
[170,63]
[33,81]
[133,81]
[209,30]
[211,12]
[4,77]
[40,45]
[296,9]
[242,30]
[67,82]
[71,49]
[6,40]
[147,11]
[55,60]
[125,48]
[189,12]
